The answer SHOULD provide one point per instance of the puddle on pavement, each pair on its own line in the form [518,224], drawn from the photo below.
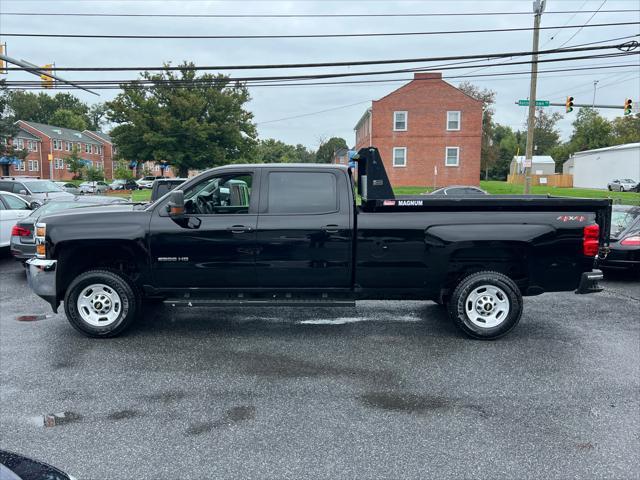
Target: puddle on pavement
[32,318]
[56,419]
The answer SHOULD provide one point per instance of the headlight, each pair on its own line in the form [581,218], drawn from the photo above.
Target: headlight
[41,247]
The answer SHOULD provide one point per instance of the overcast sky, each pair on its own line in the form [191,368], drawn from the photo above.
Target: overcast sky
[274,103]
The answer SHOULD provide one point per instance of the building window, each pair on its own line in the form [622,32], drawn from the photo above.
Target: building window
[58,163]
[400,156]
[67,146]
[400,121]
[57,144]
[20,166]
[453,120]
[99,149]
[79,146]
[32,146]
[87,148]
[453,157]
[20,143]
[33,166]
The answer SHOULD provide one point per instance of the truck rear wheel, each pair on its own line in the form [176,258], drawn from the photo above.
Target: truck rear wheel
[102,303]
[486,305]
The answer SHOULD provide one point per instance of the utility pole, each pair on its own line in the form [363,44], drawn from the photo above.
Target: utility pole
[595,84]
[538,8]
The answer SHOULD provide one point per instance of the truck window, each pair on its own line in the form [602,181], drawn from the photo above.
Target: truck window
[302,192]
[218,195]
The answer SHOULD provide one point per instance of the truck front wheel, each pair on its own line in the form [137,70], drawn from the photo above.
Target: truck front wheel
[101,303]
[486,305]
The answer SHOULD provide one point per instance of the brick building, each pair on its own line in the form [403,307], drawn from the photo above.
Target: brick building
[428,133]
[42,141]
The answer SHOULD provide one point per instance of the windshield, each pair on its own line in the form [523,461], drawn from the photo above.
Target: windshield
[621,220]
[43,186]
[628,180]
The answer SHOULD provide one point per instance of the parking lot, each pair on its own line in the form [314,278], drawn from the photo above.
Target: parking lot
[388,390]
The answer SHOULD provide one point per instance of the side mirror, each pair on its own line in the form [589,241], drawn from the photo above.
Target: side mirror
[34,205]
[22,192]
[175,207]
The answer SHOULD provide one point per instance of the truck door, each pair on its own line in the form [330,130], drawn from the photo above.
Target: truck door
[305,228]
[214,245]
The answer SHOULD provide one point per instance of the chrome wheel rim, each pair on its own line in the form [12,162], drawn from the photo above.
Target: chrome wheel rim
[487,306]
[99,305]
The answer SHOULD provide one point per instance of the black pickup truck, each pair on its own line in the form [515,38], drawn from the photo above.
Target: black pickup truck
[296,235]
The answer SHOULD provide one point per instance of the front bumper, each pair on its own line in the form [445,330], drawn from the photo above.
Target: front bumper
[589,282]
[41,276]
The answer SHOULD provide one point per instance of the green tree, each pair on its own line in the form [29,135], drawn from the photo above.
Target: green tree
[328,148]
[545,134]
[189,121]
[276,151]
[7,129]
[508,144]
[75,163]
[68,119]
[590,130]
[97,116]
[625,129]
[121,170]
[489,149]
[94,174]
[61,109]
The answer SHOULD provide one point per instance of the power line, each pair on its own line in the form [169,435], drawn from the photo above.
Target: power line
[353,63]
[191,83]
[313,113]
[296,15]
[585,24]
[340,75]
[553,35]
[316,35]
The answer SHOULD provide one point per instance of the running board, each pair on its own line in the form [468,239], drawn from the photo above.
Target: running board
[258,302]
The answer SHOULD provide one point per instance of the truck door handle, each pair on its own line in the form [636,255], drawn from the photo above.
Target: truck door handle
[330,228]
[239,229]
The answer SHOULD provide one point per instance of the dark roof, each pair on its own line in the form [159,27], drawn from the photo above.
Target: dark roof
[104,136]
[22,133]
[61,133]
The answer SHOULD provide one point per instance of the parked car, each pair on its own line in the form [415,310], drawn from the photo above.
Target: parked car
[18,467]
[624,239]
[124,184]
[459,190]
[23,245]
[93,187]
[622,185]
[147,182]
[33,189]
[13,208]
[163,186]
[295,235]
[68,187]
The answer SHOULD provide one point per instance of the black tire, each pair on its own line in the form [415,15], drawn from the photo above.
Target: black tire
[457,305]
[131,302]
[609,187]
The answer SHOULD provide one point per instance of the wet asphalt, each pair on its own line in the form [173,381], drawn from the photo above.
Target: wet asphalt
[386,390]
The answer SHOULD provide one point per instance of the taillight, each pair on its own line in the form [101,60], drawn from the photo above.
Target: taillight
[632,241]
[591,240]
[17,231]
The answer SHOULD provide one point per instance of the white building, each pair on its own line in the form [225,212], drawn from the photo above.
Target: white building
[540,165]
[596,168]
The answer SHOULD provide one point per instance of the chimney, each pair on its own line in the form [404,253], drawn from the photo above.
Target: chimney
[427,75]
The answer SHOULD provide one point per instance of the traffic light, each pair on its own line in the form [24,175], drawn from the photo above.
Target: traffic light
[627,106]
[569,104]
[46,80]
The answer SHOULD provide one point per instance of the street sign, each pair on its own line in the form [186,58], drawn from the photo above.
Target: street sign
[539,103]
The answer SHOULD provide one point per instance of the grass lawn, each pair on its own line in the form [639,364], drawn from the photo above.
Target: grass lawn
[504,188]
[134,195]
